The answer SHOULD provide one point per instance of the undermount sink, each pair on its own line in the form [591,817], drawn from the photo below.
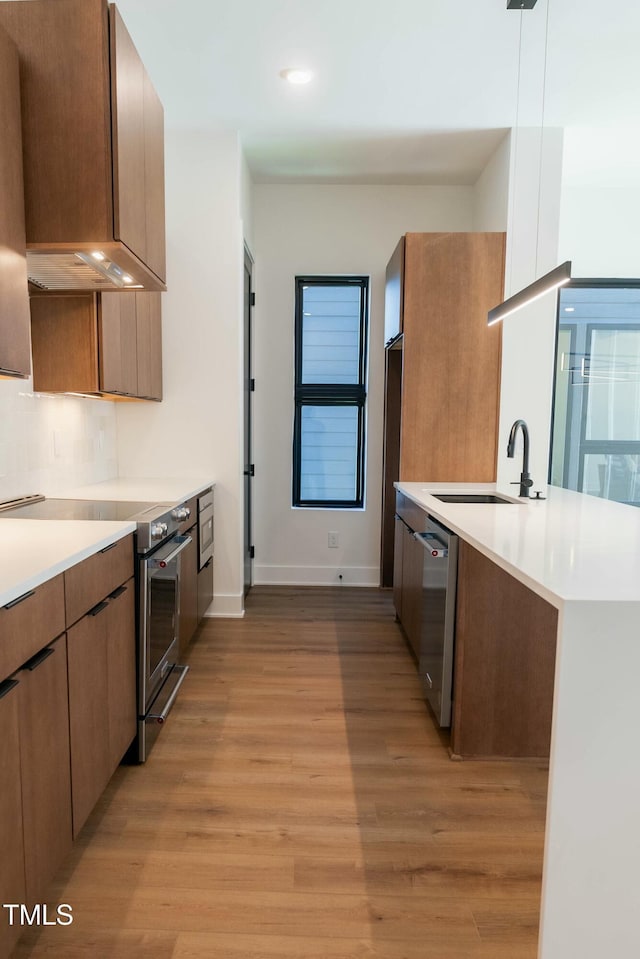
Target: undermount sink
[472,498]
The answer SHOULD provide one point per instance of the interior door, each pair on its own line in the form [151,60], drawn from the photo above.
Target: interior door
[248,395]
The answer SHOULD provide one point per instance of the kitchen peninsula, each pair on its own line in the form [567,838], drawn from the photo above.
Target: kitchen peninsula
[582,555]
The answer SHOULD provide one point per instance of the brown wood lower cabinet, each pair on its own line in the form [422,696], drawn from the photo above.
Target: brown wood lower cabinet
[12,876]
[205,588]
[407,592]
[102,712]
[189,590]
[44,757]
[504,663]
[121,671]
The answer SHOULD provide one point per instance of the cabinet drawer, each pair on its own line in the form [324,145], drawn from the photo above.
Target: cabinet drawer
[413,516]
[27,624]
[89,582]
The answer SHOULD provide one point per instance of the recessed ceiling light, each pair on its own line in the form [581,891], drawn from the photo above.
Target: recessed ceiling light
[569,309]
[297,75]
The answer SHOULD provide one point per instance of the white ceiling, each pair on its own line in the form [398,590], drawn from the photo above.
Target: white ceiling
[406,91]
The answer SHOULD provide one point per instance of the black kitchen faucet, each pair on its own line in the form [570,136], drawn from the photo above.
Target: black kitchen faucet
[525,477]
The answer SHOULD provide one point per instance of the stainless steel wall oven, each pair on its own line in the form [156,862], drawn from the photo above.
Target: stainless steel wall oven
[159,673]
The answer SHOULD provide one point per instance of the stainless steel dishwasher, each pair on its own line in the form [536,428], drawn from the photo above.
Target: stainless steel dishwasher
[438,617]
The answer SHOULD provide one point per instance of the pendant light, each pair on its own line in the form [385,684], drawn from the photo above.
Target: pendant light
[561,274]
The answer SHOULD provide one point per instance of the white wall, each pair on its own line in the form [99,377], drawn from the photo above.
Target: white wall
[600,208]
[491,191]
[528,336]
[324,230]
[51,443]
[196,430]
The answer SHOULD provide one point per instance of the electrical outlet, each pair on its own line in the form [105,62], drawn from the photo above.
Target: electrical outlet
[334,540]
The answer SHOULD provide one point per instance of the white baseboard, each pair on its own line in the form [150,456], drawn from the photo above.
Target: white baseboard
[226,606]
[316,575]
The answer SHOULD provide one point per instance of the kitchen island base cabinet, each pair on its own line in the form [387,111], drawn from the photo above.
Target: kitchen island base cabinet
[504,664]
[407,579]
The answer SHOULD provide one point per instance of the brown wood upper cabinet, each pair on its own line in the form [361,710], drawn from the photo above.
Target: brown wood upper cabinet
[15,359]
[93,139]
[443,374]
[100,343]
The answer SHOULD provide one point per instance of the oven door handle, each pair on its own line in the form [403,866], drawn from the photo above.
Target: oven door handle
[161,716]
[176,552]
[159,558]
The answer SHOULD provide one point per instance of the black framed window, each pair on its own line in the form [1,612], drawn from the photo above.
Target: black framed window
[595,436]
[330,393]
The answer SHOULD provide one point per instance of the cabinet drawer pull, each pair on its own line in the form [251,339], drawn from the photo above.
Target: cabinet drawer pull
[39,658]
[20,599]
[7,686]
[98,608]
[110,546]
[117,592]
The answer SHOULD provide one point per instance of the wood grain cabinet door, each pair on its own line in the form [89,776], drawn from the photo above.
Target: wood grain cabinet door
[189,591]
[205,589]
[12,879]
[44,755]
[397,566]
[15,359]
[138,152]
[118,343]
[149,345]
[121,671]
[412,562]
[88,712]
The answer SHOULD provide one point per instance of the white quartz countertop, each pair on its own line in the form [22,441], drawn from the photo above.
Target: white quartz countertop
[134,489]
[568,547]
[33,551]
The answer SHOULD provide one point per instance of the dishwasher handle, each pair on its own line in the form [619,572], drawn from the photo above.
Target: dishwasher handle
[434,544]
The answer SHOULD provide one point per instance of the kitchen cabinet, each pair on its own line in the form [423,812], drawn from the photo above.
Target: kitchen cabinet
[102,670]
[443,371]
[504,647]
[189,590]
[12,877]
[93,140]
[102,697]
[98,343]
[407,580]
[15,358]
[504,663]
[29,622]
[44,759]
[205,588]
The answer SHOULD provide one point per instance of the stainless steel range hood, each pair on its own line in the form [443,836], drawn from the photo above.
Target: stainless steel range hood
[81,267]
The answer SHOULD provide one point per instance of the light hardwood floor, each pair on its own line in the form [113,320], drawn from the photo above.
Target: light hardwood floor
[301,803]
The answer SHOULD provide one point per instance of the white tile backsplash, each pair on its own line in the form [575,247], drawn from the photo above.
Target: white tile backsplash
[51,443]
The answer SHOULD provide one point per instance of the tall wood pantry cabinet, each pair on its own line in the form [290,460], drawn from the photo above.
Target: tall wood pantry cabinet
[442,365]
[14,299]
[93,140]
